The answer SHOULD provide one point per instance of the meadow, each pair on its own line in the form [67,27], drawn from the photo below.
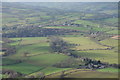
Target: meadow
[84,43]
[40,58]
[108,56]
[33,46]
[85,23]
[113,32]
[110,42]
[85,73]
[80,32]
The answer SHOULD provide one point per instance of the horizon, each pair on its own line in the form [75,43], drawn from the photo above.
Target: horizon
[59,1]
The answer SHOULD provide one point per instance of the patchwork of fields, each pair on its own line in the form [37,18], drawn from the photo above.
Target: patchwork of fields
[41,58]
[59,40]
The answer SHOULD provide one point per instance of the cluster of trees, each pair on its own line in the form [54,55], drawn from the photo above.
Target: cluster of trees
[6,48]
[58,45]
[11,73]
[36,32]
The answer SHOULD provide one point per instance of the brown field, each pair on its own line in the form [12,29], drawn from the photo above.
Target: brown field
[116,37]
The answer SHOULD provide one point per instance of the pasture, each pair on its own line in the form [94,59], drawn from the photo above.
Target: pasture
[85,23]
[51,70]
[108,56]
[110,42]
[109,70]
[39,59]
[114,32]
[24,68]
[84,43]
[92,74]
[32,45]
[47,59]
[85,73]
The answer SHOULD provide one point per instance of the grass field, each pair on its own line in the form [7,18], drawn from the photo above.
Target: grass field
[36,64]
[80,73]
[108,56]
[47,59]
[92,74]
[84,22]
[50,70]
[111,20]
[39,59]
[108,70]
[114,32]
[24,68]
[85,43]
[32,45]
[6,61]
[110,42]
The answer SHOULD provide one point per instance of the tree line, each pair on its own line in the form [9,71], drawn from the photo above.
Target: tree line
[59,45]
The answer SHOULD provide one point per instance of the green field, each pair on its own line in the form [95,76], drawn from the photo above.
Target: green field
[92,74]
[6,61]
[50,70]
[33,45]
[24,68]
[84,22]
[109,56]
[40,58]
[85,73]
[78,40]
[111,20]
[110,42]
[114,32]
[108,70]
[84,43]
[47,59]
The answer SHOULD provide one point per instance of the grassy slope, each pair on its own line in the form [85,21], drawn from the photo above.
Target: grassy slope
[108,70]
[92,74]
[50,70]
[114,32]
[110,42]
[24,68]
[33,45]
[85,43]
[39,58]
[47,59]
[85,73]
[109,56]
[85,22]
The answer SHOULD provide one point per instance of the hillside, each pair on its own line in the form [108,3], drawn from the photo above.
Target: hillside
[63,40]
